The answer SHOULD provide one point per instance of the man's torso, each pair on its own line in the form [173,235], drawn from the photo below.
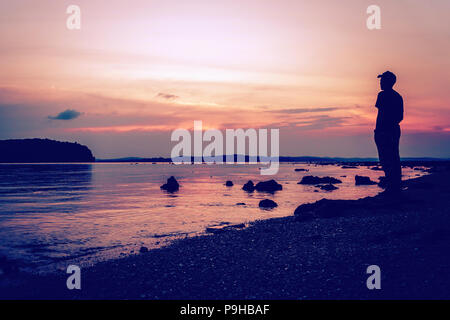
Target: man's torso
[390,110]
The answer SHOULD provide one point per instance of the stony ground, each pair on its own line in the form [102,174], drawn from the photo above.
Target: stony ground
[324,257]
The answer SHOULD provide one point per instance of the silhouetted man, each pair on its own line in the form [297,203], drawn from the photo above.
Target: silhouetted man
[387,130]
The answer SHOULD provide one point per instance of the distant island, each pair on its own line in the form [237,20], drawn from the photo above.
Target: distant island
[43,150]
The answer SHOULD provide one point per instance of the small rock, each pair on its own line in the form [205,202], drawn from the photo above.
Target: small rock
[268,186]
[327,187]
[349,167]
[172,185]
[301,170]
[249,186]
[229,183]
[267,203]
[362,180]
[143,250]
[240,204]
[319,180]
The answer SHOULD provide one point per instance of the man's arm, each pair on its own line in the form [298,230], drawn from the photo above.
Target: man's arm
[400,110]
[378,102]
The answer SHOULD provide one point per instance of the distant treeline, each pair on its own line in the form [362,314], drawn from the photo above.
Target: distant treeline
[224,159]
[43,150]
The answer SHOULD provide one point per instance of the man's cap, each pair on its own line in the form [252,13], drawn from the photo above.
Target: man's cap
[387,74]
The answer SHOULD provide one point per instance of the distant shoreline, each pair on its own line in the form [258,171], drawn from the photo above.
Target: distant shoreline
[281,159]
[51,151]
[300,159]
[406,162]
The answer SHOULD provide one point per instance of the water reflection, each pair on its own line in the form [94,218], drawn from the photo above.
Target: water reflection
[55,214]
[24,184]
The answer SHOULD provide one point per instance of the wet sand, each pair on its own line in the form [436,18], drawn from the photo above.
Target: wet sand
[324,257]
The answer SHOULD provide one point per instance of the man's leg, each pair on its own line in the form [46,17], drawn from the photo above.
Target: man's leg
[393,166]
[382,147]
[396,165]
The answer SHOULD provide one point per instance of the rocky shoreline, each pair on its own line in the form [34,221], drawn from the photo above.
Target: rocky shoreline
[321,252]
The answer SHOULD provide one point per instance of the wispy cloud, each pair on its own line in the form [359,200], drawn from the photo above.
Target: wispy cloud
[167,96]
[303,110]
[68,114]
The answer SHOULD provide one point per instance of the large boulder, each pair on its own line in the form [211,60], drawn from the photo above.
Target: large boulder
[363,181]
[249,186]
[305,212]
[324,208]
[172,185]
[319,180]
[267,204]
[268,186]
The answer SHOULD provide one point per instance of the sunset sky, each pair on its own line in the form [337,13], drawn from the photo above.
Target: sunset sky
[137,70]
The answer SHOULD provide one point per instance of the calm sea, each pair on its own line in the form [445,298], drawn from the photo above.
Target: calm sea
[53,215]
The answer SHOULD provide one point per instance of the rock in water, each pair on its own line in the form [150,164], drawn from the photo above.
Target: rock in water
[327,187]
[267,204]
[172,185]
[249,186]
[229,183]
[362,180]
[268,186]
[319,180]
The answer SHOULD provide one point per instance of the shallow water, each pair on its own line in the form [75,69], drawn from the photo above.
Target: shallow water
[52,215]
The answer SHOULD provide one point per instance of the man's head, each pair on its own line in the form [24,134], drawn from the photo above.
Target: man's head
[387,80]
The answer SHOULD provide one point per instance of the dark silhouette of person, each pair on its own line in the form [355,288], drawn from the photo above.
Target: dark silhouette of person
[387,131]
